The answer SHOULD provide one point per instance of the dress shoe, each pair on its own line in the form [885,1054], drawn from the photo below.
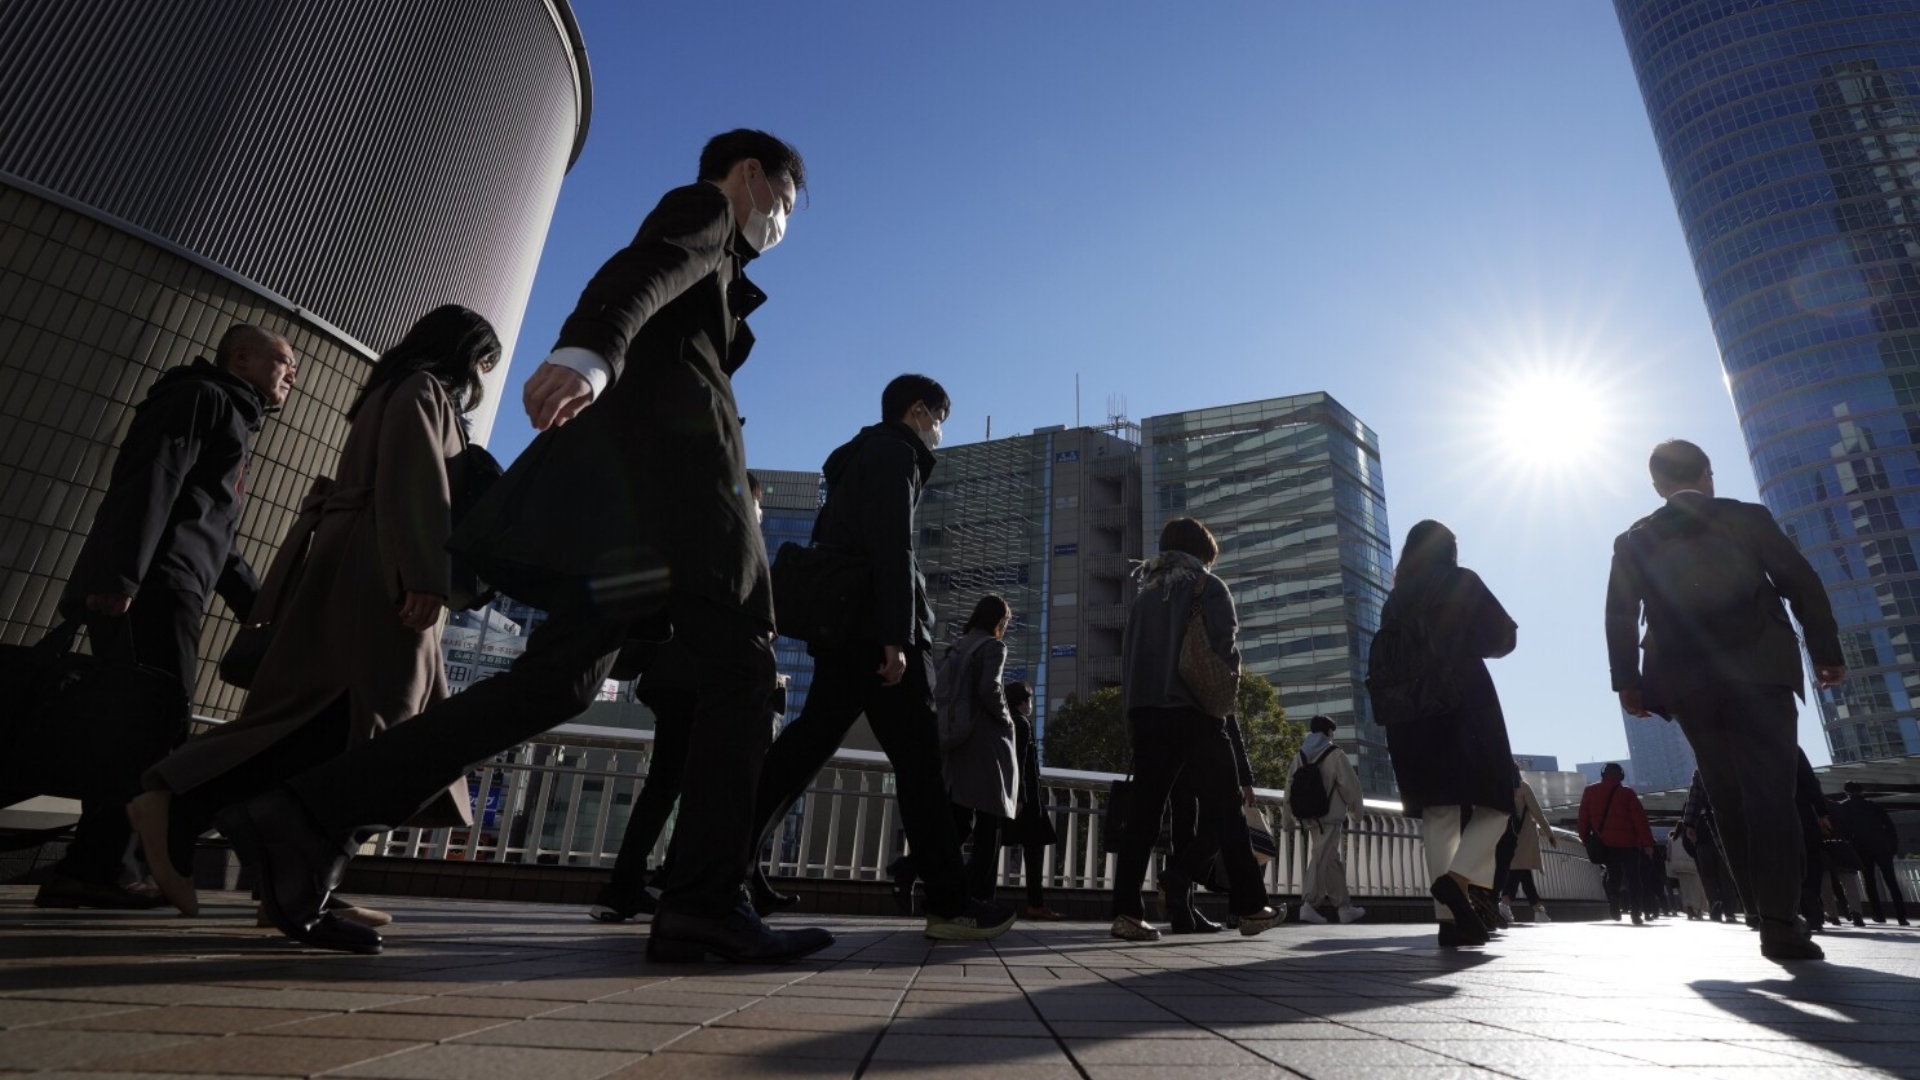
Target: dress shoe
[1262,921]
[612,906]
[1788,941]
[901,877]
[149,814]
[1447,890]
[1452,936]
[61,891]
[1176,901]
[1128,928]
[766,900]
[739,937]
[298,868]
[1485,905]
[978,921]
[1204,925]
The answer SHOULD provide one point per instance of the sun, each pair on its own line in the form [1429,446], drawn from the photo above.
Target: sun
[1551,416]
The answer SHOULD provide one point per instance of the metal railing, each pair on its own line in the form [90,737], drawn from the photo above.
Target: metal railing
[563,799]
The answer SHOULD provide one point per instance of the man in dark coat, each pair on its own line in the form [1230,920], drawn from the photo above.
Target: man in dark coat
[632,519]
[873,486]
[1871,832]
[161,544]
[1703,843]
[1720,657]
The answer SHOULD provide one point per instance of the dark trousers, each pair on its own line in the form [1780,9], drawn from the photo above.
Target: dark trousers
[1033,857]
[902,717]
[1503,856]
[1882,865]
[1522,879]
[675,716]
[160,631]
[1169,744]
[1714,874]
[191,812]
[385,781]
[1624,891]
[983,862]
[1743,735]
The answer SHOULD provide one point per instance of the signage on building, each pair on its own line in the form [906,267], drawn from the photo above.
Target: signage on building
[1066,549]
[1067,455]
[470,660]
[1066,650]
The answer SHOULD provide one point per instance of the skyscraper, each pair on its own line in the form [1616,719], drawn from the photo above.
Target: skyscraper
[1662,757]
[1292,489]
[1790,133]
[789,503]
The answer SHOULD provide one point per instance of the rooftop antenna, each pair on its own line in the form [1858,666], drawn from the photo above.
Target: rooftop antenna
[1076,399]
[989,427]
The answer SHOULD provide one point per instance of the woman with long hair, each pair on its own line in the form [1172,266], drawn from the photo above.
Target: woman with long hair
[1174,737]
[355,643]
[977,745]
[1455,769]
[1032,827]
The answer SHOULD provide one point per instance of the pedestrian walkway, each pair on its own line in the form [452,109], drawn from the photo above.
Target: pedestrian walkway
[506,991]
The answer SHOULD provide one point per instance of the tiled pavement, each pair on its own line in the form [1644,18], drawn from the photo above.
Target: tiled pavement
[500,992]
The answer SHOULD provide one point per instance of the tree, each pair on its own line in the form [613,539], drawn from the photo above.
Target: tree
[1092,734]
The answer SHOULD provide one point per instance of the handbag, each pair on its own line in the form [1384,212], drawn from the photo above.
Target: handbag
[1214,683]
[1840,855]
[1597,848]
[241,662]
[1260,835]
[823,596]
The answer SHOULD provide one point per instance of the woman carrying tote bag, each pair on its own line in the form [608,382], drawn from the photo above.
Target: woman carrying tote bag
[1179,729]
[356,647]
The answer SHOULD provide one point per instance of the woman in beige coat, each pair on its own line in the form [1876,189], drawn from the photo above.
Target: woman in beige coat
[355,643]
[1530,825]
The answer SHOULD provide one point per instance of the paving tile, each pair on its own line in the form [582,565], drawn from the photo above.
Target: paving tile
[770,1016]
[319,1000]
[640,1014]
[1185,1072]
[839,1045]
[972,1051]
[256,1055]
[1696,1053]
[1208,1052]
[728,1067]
[190,1020]
[513,1008]
[39,1048]
[1314,1056]
[22,1012]
[918,1070]
[580,1034]
[464,1061]
[413,1027]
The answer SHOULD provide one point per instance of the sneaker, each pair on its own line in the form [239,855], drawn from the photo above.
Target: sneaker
[1311,914]
[1128,928]
[1540,914]
[1351,913]
[1506,910]
[611,907]
[1263,920]
[977,922]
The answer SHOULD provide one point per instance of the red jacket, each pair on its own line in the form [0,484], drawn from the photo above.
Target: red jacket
[1626,820]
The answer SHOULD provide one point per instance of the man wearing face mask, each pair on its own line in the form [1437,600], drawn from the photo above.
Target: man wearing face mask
[626,520]
[873,485]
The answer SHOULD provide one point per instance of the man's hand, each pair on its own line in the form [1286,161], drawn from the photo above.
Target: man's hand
[419,610]
[109,603]
[1247,793]
[1634,703]
[555,395]
[893,666]
[1826,826]
[1828,677]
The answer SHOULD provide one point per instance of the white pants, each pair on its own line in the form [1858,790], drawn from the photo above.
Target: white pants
[1467,851]
[1326,874]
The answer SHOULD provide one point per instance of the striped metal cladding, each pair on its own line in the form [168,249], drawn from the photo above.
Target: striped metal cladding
[368,161]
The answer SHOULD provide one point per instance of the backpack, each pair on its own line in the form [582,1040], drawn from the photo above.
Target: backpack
[1702,586]
[1307,794]
[953,696]
[1407,677]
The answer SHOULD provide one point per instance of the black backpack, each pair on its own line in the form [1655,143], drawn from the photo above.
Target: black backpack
[1307,794]
[1407,677]
[1702,586]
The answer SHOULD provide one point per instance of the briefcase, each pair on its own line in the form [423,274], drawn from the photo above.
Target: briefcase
[823,596]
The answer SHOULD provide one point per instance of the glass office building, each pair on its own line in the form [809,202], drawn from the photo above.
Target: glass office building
[1291,487]
[1790,133]
[789,503]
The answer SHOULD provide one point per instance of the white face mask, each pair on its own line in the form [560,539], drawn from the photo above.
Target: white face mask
[931,436]
[759,515]
[764,228]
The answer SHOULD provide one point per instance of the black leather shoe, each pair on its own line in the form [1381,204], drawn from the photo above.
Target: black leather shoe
[298,867]
[1486,906]
[1202,924]
[1455,934]
[1788,941]
[766,900]
[739,937]
[1466,921]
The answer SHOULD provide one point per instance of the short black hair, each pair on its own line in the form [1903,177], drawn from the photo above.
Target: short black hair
[1615,768]
[1189,535]
[1678,461]
[723,151]
[1321,724]
[1018,694]
[244,339]
[902,392]
[1852,787]
[989,613]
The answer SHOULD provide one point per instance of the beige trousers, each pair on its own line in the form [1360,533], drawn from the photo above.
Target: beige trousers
[1326,873]
[1467,851]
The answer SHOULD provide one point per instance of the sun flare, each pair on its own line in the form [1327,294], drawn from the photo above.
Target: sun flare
[1552,418]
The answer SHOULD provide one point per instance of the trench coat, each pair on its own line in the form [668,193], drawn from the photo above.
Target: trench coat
[1531,827]
[380,533]
[1461,758]
[983,771]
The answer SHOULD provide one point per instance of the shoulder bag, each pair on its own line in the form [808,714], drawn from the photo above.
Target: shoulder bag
[1214,683]
[1596,847]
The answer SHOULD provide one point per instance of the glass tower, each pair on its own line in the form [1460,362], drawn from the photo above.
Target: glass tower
[1790,132]
[1291,487]
[789,503]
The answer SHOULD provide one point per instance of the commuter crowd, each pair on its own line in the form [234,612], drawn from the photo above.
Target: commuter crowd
[633,521]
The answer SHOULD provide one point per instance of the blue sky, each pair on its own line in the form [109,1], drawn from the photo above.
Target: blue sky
[1417,207]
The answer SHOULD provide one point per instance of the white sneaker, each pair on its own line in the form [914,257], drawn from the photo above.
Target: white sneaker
[1351,913]
[1506,910]
[1540,914]
[1311,914]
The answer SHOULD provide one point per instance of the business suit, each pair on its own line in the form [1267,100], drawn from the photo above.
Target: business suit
[1733,699]
[633,518]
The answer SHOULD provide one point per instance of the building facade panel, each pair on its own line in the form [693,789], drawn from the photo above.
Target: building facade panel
[1791,136]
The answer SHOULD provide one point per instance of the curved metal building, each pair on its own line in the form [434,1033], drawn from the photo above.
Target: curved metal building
[328,168]
[1790,131]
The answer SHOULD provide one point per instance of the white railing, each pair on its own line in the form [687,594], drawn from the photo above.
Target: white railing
[563,799]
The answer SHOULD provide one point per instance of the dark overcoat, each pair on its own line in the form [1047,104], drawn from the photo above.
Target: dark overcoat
[645,492]
[1461,758]
[379,533]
